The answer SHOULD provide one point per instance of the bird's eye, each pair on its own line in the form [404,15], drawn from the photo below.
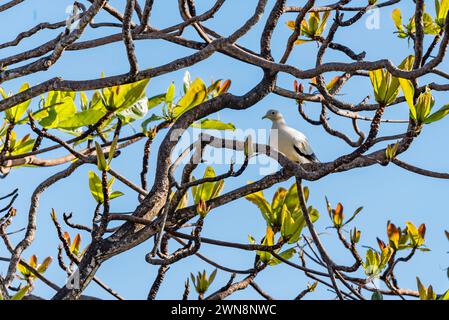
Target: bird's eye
[272,112]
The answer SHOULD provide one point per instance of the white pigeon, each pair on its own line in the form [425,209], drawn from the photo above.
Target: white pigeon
[292,143]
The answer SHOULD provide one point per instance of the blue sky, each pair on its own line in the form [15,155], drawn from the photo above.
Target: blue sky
[387,193]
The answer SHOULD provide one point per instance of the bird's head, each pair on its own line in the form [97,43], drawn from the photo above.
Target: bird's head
[273,115]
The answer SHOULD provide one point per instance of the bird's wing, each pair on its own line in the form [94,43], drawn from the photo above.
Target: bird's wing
[302,145]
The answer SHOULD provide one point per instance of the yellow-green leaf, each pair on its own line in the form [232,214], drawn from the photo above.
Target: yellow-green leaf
[397,19]
[409,92]
[193,97]
[259,200]
[21,293]
[212,124]
[170,95]
[44,265]
[95,187]
[101,160]
[15,113]
[438,115]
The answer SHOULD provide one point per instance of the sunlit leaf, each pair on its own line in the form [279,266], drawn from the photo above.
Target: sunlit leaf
[21,293]
[95,187]
[193,97]
[101,160]
[44,265]
[409,92]
[212,124]
[287,255]
[15,113]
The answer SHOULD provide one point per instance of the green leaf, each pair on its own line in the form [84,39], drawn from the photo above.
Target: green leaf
[376,80]
[265,256]
[276,206]
[430,27]
[288,223]
[397,19]
[15,113]
[55,97]
[409,92]
[212,277]
[211,124]
[356,212]
[421,289]
[407,63]
[95,187]
[442,10]
[64,109]
[110,183]
[3,93]
[391,150]
[207,190]
[21,293]
[44,265]
[416,239]
[371,265]
[23,270]
[291,198]
[259,200]
[301,41]
[214,88]
[438,115]
[149,120]
[322,24]
[23,146]
[216,190]
[116,194]
[355,235]
[377,296]
[84,101]
[121,97]
[424,105]
[392,88]
[287,255]
[101,161]
[156,100]
[193,97]
[170,95]
[112,149]
[300,223]
[386,254]
[386,87]
[184,201]
[81,119]
[314,20]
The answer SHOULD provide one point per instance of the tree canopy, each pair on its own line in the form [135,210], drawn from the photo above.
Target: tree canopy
[69,125]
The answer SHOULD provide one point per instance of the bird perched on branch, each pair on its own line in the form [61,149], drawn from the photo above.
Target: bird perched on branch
[292,143]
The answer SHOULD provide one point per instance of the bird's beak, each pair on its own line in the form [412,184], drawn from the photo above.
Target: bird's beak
[264,117]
